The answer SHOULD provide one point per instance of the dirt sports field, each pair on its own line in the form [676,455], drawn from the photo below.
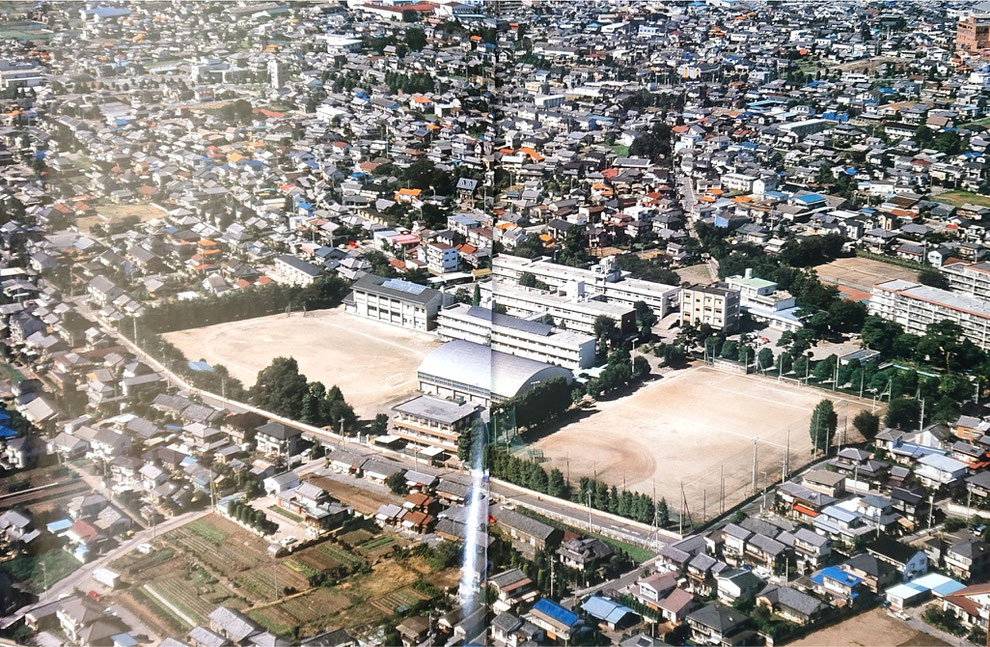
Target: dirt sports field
[862,273]
[689,428]
[373,363]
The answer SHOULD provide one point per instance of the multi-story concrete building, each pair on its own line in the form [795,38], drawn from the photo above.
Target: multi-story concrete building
[428,421]
[604,279]
[717,306]
[440,258]
[520,337]
[294,271]
[914,306]
[395,301]
[278,73]
[571,309]
[764,302]
[973,33]
[969,278]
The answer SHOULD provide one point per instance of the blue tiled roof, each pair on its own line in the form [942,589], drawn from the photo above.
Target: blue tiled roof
[555,611]
[837,574]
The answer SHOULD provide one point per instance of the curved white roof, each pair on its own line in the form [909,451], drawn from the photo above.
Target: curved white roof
[486,370]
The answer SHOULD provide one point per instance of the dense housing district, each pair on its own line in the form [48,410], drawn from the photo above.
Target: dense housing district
[533,322]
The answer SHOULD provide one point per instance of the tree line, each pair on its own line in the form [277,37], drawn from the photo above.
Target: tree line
[326,292]
[244,513]
[529,474]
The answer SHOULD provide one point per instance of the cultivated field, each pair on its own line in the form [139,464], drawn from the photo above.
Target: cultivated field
[373,363]
[212,561]
[959,198]
[690,428]
[862,273]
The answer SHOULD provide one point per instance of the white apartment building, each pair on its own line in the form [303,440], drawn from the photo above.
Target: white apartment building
[571,309]
[440,258]
[764,302]
[604,279]
[969,278]
[914,306]
[738,182]
[394,301]
[290,270]
[717,306]
[515,336]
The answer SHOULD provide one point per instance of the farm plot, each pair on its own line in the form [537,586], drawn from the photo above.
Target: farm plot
[232,552]
[179,594]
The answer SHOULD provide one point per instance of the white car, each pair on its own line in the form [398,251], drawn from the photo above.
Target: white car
[288,541]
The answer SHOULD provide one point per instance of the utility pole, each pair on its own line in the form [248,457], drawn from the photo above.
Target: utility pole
[721,498]
[590,527]
[787,454]
[755,445]
[763,506]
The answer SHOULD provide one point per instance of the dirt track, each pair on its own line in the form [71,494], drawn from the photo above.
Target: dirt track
[690,428]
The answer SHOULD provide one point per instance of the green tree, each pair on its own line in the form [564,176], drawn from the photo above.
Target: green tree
[903,413]
[415,39]
[764,358]
[645,318]
[397,483]
[822,425]
[556,485]
[280,388]
[934,278]
[867,424]
[379,426]
[476,296]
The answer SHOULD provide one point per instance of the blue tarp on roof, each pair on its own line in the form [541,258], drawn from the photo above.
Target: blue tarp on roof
[200,367]
[4,415]
[555,611]
[56,527]
[7,432]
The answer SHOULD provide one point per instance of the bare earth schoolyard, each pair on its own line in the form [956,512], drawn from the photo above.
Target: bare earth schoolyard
[689,427]
[373,363]
[869,630]
[862,273]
